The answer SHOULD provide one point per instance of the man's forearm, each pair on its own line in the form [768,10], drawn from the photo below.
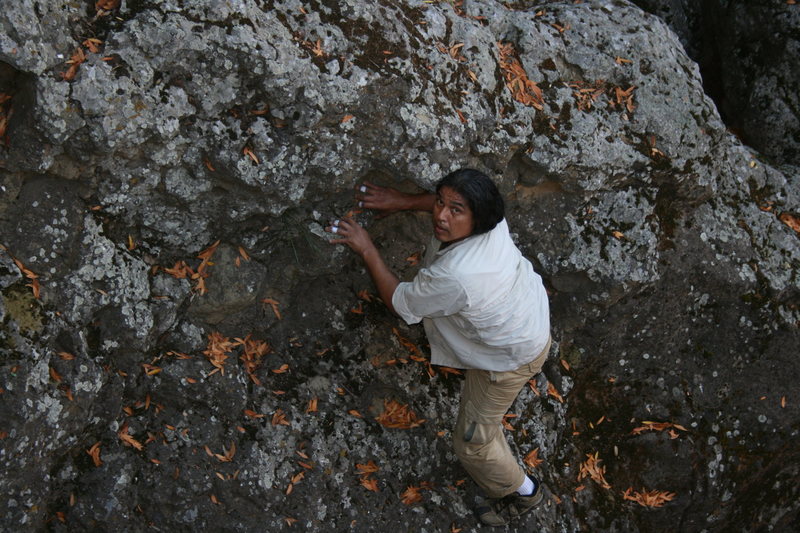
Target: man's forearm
[420,202]
[385,281]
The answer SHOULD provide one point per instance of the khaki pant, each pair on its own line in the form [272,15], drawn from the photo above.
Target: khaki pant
[478,437]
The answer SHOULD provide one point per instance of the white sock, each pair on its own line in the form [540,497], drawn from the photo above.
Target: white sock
[527,487]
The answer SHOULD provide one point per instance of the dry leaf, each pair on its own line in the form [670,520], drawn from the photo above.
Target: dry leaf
[370,484]
[411,495]
[652,498]
[249,153]
[367,469]
[552,391]
[94,453]
[274,304]
[279,418]
[791,221]
[398,416]
[347,118]
[281,370]
[523,89]
[532,458]
[591,468]
[312,405]
[655,426]
[128,439]
[106,5]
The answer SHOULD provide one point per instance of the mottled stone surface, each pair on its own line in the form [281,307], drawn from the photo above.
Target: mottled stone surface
[169,192]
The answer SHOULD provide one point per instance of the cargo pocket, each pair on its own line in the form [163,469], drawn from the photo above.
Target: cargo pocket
[477,429]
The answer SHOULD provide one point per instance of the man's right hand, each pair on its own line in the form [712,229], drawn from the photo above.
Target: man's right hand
[384,199]
[389,200]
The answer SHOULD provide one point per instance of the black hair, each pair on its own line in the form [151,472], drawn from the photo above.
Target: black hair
[481,194]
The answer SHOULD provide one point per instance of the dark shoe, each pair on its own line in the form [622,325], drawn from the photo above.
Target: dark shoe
[501,511]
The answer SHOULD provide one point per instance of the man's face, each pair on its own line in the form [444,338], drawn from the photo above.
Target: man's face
[452,217]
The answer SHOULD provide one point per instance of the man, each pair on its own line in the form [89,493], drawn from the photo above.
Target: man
[484,309]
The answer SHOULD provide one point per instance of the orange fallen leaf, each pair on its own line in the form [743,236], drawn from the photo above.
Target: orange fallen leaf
[354,413]
[621,61]
[591,468]
[552,391]
[289,520]
[274,304]
[312,405]
[106,5]
[66,356]
[370,484]
[347,118]
[532,458]
[648,425]
[150,370]
[281,370]
[411,495]
[279,418]
[128,439]
[253,414]
[94,453]
[523,89]
[791,221]
[364,295]
[55,375]
[398,416]
[249,153]
[648,498]
[367,469]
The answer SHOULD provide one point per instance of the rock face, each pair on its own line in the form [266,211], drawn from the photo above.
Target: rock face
[181,348]
[752,74]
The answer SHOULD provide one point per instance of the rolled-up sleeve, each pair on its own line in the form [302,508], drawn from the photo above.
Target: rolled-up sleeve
[429,295]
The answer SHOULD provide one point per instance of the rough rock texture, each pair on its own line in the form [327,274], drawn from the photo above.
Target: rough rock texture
[170,303]
[749,54]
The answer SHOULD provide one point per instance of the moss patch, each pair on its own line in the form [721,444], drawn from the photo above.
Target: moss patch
[23,308]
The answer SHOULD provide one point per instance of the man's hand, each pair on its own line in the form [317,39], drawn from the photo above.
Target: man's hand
[389,200]
[351,234]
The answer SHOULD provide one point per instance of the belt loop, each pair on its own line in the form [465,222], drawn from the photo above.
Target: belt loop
[492,377]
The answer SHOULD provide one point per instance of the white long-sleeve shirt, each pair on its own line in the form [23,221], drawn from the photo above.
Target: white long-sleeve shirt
[480,301]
